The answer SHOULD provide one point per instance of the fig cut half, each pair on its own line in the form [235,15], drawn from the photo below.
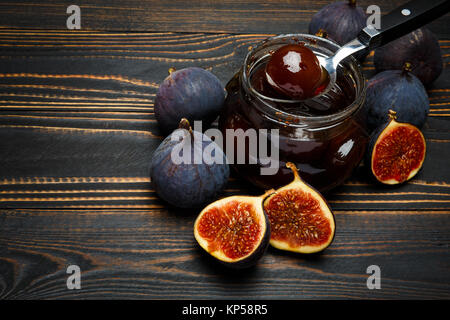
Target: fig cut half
[300,218]
[234,230]
[396,151]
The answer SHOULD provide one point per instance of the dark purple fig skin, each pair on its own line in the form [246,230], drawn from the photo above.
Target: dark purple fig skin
[187,185]
[420,48]
[400,91]
[342,22]
[192,93]
[371,147]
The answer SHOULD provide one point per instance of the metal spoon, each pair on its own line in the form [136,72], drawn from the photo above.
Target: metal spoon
[395,24]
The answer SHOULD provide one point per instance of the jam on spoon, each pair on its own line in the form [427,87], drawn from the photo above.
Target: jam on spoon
[294,71]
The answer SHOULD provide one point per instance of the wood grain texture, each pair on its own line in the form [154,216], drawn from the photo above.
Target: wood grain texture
[60,109]
[77,130]
[153,254]
[212,16]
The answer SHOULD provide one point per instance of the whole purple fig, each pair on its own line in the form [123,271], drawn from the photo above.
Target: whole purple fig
[188,169]
[420,48]
[192,93]
[397,90]
[342,21]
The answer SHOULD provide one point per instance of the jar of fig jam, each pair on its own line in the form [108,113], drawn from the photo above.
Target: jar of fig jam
[324,136]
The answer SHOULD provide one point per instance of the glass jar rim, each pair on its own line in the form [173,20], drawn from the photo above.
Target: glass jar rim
[285,116]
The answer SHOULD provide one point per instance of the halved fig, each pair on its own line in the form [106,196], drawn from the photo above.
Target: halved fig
[234,230]
[396,151]
[300,218]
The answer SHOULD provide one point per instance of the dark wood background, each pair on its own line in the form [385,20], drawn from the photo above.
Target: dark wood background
[77,131]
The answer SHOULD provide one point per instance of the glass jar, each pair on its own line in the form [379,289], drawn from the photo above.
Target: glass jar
[324,136]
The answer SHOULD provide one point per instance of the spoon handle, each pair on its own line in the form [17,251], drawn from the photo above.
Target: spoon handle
[403,20]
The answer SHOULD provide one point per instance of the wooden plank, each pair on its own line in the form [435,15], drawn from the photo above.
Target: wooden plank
[153,254]
[110,72]
[78,127]
[71,166]
[105,72]
[77,131]
[270,16]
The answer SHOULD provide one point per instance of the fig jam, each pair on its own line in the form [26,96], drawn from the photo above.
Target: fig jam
[324,137]
[342,95]
[295,71]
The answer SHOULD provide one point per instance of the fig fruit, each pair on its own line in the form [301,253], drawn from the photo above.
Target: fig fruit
[396,151]
[300,218]
[195,176]
[192,93]
[342,21]
[234,230]
[295,71]
[399,90]
[420,48]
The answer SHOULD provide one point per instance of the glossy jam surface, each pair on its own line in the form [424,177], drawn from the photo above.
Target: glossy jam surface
[296,218]
[294,71]
[325,156]
[233,228]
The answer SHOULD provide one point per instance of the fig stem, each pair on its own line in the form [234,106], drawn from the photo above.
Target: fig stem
[352,2]
[171,70]
[407,67]
[267,193]
[322,33]
[294,169]
[392,114]
[184,124]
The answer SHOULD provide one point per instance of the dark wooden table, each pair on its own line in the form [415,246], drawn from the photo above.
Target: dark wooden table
[77,131]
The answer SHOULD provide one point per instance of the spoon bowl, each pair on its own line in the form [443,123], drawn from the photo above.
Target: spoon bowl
[330,64]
